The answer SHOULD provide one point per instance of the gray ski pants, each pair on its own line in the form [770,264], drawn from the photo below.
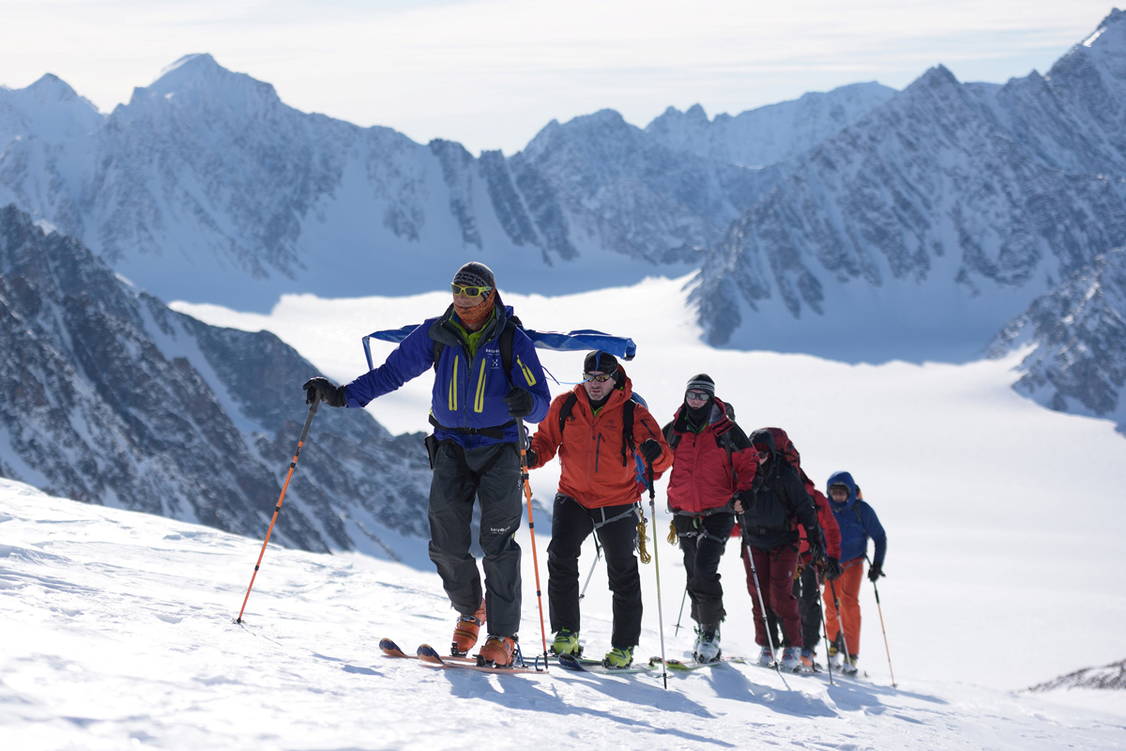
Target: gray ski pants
[490,474]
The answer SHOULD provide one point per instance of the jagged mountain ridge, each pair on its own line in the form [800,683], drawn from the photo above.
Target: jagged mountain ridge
[950,207]
[206,186]
[766,135]
[118,400]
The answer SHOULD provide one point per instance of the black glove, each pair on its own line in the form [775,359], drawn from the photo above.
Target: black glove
[832,568]
[875,572]
[650,449]
[322,388]
[816,554]
[530,457]
[519,402]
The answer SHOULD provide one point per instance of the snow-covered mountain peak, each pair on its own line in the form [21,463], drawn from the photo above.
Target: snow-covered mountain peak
[581,134]
[48,109]
[195,60]
[50,87]
[937,77]
[1104,48]
[198,77]
[695,112]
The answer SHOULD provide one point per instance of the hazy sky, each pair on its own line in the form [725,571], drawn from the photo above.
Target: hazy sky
[491,73]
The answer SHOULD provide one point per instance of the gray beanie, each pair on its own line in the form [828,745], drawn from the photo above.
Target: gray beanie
[702,382]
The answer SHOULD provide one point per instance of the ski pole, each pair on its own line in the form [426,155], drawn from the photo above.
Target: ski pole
[880,610]
[824,627]
[840,619]
[761,602]
[680,615]
[281,498]
[597,556]
[657,572]
[531,528]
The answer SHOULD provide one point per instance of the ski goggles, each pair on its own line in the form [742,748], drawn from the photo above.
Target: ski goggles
[470,290]
[600,378]
[697,395]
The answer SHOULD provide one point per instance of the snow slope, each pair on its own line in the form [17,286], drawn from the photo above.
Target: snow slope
[1003,517]
[119,634]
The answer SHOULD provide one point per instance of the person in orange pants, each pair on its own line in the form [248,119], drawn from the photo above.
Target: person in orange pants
[847,587]
[858,522]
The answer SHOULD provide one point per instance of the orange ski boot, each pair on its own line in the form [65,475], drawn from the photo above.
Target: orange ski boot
[466,630]
[498,652]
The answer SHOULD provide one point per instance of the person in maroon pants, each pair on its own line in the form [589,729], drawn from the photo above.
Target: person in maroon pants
[769,512]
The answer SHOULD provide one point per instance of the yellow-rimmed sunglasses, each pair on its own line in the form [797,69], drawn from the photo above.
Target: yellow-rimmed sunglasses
[470,290]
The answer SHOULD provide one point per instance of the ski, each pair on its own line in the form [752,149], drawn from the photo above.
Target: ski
[555,660]
[587,665]
[391,649]
[429,656]
[684,666]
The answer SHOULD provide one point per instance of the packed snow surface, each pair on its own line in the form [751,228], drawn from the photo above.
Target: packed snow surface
[119,634]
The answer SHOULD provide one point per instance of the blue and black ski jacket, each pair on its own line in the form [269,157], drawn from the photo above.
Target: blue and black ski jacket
[467,403]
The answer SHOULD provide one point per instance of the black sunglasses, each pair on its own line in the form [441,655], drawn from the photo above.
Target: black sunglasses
[600,378]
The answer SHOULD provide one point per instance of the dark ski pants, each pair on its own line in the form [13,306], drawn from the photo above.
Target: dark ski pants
[702,540]
[616,528]
[490,474]
[808,594]
[775,569]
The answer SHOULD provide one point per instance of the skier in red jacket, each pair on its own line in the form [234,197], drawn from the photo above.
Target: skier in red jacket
[712,461]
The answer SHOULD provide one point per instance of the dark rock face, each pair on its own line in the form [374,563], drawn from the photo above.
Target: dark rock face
[1078,334]
[112,398]
[1111,677]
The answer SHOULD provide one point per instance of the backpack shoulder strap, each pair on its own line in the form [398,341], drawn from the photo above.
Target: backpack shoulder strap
[506,344]
[627,430]
[438,348]
[565,410]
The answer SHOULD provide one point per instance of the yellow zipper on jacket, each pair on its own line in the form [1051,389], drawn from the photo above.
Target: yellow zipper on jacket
[531,379]
[453,386]
[479,400]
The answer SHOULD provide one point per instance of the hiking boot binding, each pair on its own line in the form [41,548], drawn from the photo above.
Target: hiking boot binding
[566,643]
[618,658]
[707,647]
[498,652]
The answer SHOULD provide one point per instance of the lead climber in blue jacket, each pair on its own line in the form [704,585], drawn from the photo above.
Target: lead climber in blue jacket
[486,377]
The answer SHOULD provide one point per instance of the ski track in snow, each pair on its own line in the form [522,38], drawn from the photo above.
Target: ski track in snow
[119,633]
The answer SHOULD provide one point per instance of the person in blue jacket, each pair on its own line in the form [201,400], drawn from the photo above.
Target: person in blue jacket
[858,522]
[486,377]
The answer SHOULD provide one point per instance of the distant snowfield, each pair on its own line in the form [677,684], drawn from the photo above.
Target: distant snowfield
[118,633]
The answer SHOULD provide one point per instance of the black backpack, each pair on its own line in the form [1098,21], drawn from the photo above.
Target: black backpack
[628,446]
